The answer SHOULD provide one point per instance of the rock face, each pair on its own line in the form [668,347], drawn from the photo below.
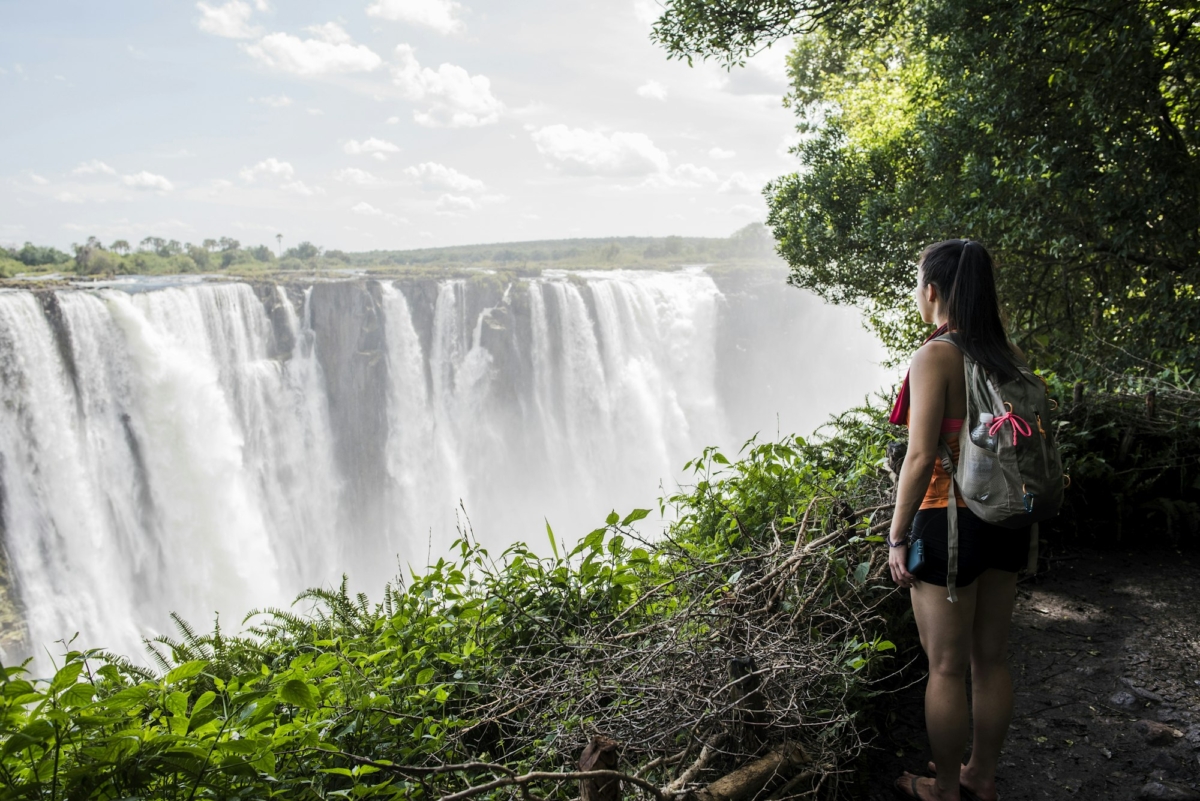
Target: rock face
[14,644]
[351,349]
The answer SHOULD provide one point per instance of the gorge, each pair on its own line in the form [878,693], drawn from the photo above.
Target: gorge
[217,446]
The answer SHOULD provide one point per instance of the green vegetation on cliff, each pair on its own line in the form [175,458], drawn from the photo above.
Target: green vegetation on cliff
[225,256]
[760,615]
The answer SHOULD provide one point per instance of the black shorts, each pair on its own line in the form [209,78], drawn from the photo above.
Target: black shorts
[980,546]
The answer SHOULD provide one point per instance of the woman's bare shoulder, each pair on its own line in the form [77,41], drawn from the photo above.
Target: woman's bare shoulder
[937,355]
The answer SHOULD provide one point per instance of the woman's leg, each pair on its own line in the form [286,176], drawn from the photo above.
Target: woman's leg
[991,684]
[946,635]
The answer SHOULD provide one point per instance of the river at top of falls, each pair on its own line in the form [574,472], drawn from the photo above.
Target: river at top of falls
[219,447]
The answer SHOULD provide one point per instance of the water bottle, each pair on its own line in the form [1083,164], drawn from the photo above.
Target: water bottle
[980,435]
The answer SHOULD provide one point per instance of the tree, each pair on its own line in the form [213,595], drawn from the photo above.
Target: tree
[304,251]
[209,245]
[33,256]
[120,246]
[200,255]
[261,253]
[1065,137]
[92,259]
[226,243]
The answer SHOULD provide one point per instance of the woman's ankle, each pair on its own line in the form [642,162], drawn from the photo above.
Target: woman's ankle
[978,781]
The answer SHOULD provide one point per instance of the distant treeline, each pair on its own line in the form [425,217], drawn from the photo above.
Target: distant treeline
[157,256]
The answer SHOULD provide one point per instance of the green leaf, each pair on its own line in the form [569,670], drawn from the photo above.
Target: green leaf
[297,693]
[595,540]
[612,518]
[203,701]
[550,534]
[634,516]
[65,677]
[78,695]
[187,671]
[425,676]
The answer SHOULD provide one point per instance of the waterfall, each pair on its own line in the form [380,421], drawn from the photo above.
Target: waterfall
[212,448]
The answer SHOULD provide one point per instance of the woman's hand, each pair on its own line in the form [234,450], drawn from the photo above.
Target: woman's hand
[898,562]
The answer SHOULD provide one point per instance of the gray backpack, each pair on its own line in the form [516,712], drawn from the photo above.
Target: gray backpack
[1018,483]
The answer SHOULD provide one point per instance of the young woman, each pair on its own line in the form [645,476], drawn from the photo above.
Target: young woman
[956,291]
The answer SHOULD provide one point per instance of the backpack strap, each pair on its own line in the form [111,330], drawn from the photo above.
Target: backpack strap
[951,521]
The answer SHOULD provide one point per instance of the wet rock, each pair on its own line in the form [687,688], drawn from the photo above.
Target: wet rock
[1157,733]
[1167,791]
[1141,692]
[1122,698]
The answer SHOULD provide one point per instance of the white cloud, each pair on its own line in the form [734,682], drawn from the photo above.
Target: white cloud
[458,99]
[455,204]
[353,175]
[372,146]
[652,90]
[37,179]
[647,11]
[441,15]
[275,101]
[147,180]
[330,32]
[721,153]
[393,120]
[593,153]
[366,209]
[316,112]
[435,176]
[739,184]
[331,52]
[696,175]
[271,168]
[301,188]
[685,175]
[93,167]
[231,20]
[744,210]
[68,197]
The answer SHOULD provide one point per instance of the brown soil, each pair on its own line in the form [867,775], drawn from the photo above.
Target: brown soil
[1106,673]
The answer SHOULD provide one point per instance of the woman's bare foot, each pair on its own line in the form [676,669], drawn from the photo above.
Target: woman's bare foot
[978,791]
[923,789]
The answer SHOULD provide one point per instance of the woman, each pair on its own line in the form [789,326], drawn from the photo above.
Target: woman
[956,291]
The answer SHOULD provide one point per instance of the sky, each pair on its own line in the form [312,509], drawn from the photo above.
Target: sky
[374,124]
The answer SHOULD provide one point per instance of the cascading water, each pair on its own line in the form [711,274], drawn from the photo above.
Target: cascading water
[218,447]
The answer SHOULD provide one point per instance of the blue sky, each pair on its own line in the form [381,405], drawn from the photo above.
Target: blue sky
[373,123]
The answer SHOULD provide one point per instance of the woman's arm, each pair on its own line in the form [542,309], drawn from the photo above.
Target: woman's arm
[927,383]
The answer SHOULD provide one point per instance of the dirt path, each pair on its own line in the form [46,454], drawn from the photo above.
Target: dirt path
[1106,671]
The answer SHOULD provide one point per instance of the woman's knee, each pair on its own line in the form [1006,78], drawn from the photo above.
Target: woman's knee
[949,662]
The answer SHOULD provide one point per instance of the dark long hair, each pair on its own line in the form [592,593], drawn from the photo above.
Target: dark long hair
[964,274]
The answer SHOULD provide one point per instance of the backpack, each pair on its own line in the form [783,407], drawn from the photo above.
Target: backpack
[1018,484]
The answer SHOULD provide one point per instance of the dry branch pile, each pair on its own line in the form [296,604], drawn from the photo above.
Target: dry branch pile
[759,659]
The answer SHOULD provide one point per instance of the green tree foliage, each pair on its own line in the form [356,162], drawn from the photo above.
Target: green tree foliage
[305,251]
[33,256]
[1063,136]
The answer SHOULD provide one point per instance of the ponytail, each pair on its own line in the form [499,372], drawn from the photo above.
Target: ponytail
[964,275]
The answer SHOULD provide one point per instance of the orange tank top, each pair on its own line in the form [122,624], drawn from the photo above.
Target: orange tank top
[938,494]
